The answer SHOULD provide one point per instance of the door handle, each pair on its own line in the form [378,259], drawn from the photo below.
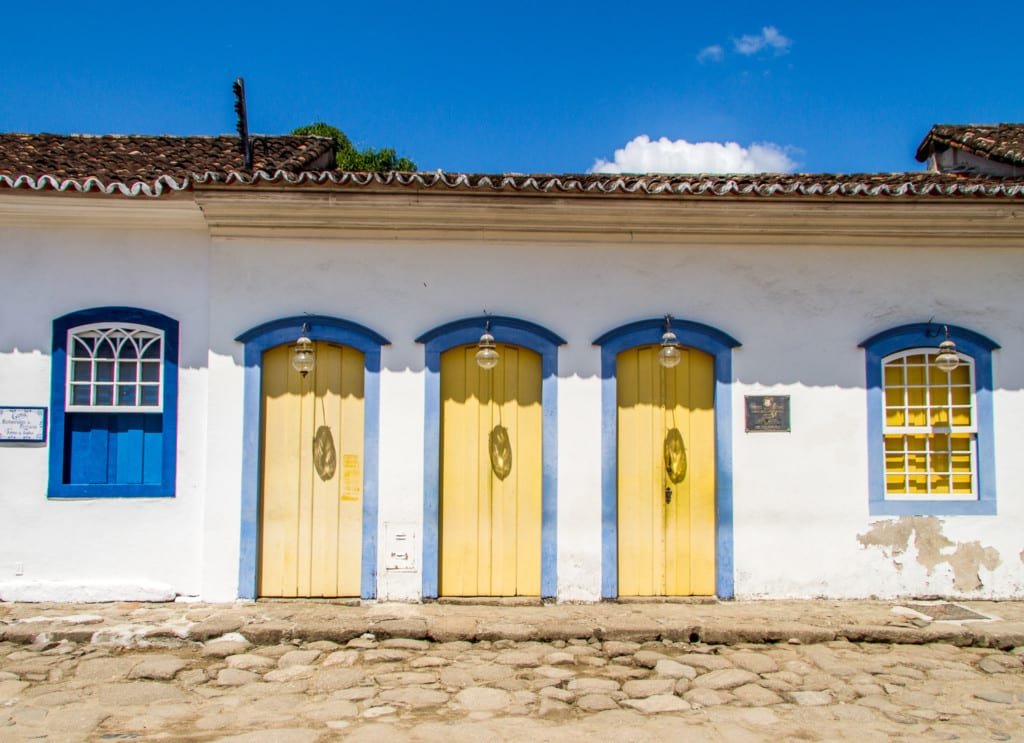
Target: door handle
[668,495]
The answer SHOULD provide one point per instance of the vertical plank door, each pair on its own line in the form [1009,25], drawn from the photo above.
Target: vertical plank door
[310,517]
[666,546]
[490,530]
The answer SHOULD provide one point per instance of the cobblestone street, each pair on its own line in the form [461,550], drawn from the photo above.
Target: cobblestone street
[125,685]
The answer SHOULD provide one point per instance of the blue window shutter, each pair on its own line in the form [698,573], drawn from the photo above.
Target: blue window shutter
[126,441]
[152,449]
[113,454]
[88,458]
[121,449]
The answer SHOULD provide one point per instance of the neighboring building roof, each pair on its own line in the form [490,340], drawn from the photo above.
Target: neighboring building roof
[138,159]
[154,166]
[1000,142]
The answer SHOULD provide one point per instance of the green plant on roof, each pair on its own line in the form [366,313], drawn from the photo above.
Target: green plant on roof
[349,158]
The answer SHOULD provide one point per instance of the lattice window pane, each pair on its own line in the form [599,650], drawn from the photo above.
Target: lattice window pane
[81,394]
[150,395]
[961,376]
[104,371]
[115,368]
[150,372]
[152,350]
[929,439]
[103,395]
[895,484]
[127,371]
[105,349]
[82,371]
[963,484]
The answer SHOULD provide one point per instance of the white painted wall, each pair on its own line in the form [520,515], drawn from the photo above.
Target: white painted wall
[800,498]
[106,548]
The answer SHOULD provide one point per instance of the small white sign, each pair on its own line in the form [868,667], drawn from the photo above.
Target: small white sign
[22,424]
[400,547]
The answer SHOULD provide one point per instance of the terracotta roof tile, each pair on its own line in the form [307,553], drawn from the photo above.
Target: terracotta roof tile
[154,166]
[1000,142]
[761,184]
[131,159]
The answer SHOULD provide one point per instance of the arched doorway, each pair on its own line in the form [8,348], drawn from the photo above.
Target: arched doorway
[310,461]
[311,490]
[491,474]
[652,542]
[666,474]
[461,515]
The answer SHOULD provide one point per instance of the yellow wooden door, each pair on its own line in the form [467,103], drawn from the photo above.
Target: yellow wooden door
[666,480]
[311,513]
[490,530]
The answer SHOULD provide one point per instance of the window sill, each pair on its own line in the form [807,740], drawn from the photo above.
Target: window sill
[109,491]
[932,508]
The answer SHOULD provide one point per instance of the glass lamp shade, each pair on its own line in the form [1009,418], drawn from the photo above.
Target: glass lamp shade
[487,354]
[669,355]
[947,360]
[303,356]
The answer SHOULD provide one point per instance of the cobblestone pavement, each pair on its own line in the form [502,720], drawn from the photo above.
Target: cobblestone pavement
[321,671]
[226,688]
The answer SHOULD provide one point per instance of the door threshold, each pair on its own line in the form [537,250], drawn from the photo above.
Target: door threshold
[339,601]
[665,600]
[491,600]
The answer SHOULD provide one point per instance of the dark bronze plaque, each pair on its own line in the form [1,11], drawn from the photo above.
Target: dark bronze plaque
[767,412]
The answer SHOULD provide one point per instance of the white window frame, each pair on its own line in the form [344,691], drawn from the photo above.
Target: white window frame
[128,333]
[929,430]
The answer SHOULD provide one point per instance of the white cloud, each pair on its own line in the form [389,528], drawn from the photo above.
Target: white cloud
[642,155]
[769,38]
[713,53]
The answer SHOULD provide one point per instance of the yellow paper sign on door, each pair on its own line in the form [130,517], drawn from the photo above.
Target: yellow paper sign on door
[352,473]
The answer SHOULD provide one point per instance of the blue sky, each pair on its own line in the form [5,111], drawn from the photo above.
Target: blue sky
[525,86]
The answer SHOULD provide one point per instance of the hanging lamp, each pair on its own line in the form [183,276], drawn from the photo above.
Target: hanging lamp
[303,354]
[486,351]
[948,359]
[669,354]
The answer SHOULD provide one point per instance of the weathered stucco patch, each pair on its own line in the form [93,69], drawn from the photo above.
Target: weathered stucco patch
[966,558]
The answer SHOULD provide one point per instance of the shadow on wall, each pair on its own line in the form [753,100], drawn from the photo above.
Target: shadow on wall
[769,358]
[799,312]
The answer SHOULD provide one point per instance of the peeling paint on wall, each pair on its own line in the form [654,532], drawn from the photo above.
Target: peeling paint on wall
[933,548]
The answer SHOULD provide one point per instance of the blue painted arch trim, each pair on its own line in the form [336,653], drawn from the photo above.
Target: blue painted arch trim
[518,333]
[929,335]
[693,335]
[57,488]
[257,341]
[471,328]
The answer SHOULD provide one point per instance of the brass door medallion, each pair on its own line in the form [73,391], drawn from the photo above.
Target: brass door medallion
[501,452]
[325,457]
[675,456]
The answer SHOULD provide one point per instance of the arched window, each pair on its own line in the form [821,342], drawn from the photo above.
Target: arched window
[930,429]
[115,368]
[113,404]
[931,449]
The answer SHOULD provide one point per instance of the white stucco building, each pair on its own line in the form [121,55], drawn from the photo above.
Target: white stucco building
[154,291]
